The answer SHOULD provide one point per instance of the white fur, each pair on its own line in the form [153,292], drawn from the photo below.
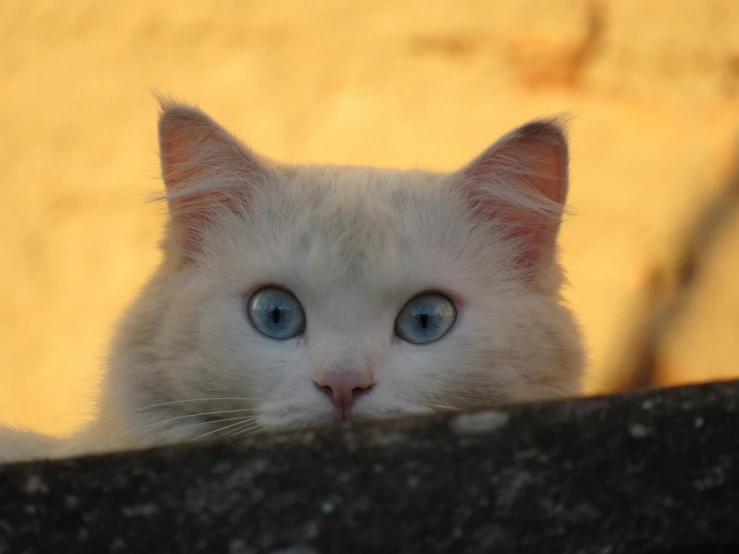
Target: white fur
[353,244]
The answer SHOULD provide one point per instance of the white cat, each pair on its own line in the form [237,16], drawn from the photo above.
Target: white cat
[293,296]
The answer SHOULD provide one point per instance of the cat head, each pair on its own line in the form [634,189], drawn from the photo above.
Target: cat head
[304,295]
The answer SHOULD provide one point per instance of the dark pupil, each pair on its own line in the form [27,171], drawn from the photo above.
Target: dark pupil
[275,315]
[424,320]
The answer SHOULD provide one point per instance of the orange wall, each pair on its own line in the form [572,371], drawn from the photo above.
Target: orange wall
[653,85]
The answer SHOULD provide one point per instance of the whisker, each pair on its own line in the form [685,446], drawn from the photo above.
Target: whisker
[443,407]
[217,430]
[238,429]
[241,398]
[200,423]
[245,429]
[250,430]
[199,414]
[169,420]
[238,419]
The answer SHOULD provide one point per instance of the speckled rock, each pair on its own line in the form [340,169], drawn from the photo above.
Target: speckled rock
[653,472]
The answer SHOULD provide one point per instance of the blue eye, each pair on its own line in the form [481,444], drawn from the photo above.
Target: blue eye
[425,318]
[276,313]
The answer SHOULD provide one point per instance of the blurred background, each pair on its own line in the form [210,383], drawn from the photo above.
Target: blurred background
[652,248]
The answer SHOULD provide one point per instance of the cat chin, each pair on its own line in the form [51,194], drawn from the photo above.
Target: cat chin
[291,418]
[295,420]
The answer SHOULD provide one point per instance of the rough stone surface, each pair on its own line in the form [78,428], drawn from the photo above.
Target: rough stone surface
[654,472]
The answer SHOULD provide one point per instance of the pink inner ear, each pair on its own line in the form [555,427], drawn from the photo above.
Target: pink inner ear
[178,146]
[204,169]
[521,183]
[548,168]
[183,163]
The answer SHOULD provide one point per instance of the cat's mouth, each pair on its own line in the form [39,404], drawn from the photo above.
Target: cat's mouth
[341,415]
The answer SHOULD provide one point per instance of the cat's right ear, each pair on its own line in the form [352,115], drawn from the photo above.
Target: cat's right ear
[519,185]
[205,169]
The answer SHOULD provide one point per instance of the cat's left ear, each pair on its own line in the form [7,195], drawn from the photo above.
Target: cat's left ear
[205,169]
[519,186]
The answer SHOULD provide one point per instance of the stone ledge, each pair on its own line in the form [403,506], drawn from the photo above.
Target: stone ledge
[651,472]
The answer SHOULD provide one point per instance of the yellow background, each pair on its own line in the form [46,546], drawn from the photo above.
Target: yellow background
[653,86]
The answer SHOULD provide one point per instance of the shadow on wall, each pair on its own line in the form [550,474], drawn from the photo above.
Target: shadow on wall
[693,304]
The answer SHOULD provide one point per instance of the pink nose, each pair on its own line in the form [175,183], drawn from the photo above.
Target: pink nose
[345,388]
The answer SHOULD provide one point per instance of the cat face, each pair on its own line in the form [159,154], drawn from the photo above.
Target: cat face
[310,295]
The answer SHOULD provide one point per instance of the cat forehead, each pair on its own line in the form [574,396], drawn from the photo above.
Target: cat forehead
[349,224]
[356,206]
[359,188]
